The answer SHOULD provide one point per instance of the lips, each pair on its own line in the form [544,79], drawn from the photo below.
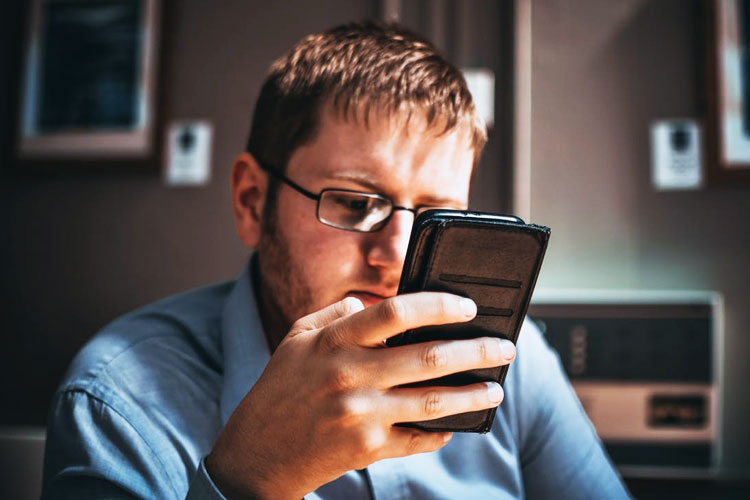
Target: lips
[369,298]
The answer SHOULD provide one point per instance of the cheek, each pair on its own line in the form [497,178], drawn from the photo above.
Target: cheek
[327,260]
[332,254]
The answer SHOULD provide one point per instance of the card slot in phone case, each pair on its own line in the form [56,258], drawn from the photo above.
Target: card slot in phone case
[479,280]
[493,311]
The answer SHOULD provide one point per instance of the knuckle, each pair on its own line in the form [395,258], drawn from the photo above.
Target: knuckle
[372,441]
[434,356]
[432,403]
[349,411]
[301,325]
[488,350]
[330,339]
[482,348]
[415,443]
[447,305]
[341,378]
[393,311]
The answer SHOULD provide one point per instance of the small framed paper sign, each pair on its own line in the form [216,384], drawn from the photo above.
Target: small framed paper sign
[188,153]
[89,85]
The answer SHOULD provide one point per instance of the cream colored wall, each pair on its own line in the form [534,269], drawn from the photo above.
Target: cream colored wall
[601,72]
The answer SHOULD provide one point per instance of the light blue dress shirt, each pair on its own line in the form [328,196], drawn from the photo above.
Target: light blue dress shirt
[144,401]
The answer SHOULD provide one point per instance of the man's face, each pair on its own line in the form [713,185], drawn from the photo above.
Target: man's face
[306,265]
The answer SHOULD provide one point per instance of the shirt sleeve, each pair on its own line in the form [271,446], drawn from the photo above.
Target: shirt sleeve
[202,487]
[561,455]
[94,451]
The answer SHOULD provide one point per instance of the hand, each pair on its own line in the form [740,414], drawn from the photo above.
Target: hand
[328,398]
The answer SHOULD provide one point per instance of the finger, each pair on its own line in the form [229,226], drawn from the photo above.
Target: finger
[327,315]
[414,404]
[428,360]
[404,441]
[400,313]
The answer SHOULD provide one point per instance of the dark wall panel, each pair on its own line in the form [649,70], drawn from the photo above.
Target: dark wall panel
[83,242]
[80,246]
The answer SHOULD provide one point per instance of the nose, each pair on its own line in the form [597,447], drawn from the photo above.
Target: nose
[388,246]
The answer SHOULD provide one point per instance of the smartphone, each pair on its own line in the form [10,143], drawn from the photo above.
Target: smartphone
[492,259]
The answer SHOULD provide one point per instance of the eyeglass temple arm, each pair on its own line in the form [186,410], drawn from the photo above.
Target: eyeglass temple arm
[275,173]
[283,178]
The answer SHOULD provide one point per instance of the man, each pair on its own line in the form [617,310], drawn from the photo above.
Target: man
[278,385]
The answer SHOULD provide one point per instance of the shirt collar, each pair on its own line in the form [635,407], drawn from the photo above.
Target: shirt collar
[246,351]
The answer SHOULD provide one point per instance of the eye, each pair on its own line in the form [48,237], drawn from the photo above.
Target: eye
[352,202]
[353,210]
[358,204]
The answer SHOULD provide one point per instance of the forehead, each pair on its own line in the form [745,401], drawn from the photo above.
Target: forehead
[399,154]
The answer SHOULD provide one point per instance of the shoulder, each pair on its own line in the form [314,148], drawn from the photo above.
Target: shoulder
[537,363]
[139,405]
[535,360]
[558,450]
[154,340]
[536,380]
[531,342]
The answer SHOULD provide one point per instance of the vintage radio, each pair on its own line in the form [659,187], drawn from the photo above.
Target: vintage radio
[646,367]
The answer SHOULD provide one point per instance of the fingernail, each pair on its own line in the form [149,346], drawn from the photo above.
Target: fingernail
[494,392]
[508,349]
[468,307]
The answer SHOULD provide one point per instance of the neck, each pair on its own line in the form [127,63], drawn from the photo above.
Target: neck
[275,327]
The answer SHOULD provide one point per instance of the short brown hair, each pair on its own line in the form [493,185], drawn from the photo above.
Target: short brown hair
[358,66]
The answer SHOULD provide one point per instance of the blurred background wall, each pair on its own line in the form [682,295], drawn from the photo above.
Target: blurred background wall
[86,241]
[601,72]
[83,242]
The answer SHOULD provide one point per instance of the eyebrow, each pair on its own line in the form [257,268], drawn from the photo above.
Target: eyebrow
[367,183]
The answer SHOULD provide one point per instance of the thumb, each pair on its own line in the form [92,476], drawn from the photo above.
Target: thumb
[327,315]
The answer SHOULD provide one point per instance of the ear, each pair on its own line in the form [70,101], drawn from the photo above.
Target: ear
[249,190]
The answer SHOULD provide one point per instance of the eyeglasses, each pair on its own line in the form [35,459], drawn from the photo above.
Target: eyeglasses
[348,209]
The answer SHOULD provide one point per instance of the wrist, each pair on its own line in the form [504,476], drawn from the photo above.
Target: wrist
[231,480]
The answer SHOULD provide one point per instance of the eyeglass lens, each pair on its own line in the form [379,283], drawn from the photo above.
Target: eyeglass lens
[352,210]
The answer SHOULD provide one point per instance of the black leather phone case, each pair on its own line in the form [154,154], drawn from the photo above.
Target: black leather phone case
[495,261]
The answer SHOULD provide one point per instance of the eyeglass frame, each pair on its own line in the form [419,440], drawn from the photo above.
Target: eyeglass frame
[317,197]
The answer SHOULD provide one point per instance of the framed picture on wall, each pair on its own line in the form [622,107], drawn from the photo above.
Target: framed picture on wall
[729,89]
[89,79]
